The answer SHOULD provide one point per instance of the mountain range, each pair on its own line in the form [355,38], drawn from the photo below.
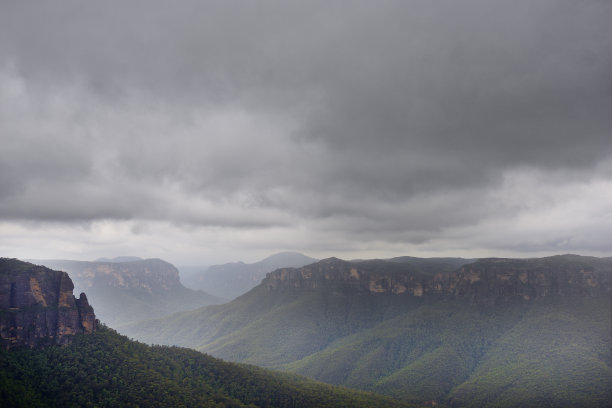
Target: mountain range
[119,259]
[54,354]
[233,279]
[491,332]
[125,291]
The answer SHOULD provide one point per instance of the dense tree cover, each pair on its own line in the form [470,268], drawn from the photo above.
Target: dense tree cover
[552,352]
[557,355]
[273,329]
[108,370]
[549,351]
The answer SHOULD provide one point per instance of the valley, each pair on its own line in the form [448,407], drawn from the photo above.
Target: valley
[426,331]
[233,279]
[306,204]
[492,330]
[130,290]
[54,353]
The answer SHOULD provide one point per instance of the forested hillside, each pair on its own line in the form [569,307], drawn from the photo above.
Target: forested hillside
[55,354]
[497,331]
[106,369]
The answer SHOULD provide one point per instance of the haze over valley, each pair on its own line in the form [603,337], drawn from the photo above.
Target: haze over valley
[442,331]
[306,204]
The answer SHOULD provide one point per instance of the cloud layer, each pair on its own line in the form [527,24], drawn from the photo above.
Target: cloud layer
[422,127]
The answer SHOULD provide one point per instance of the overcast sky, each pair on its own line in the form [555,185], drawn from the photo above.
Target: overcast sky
[203,132]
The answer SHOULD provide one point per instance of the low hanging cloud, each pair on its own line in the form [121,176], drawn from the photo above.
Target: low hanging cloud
[376,128]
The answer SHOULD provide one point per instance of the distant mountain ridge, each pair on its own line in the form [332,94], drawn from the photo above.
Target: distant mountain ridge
[433,264]
[493,331]
[120,259]
[484,281]
[125,292]
[236,278]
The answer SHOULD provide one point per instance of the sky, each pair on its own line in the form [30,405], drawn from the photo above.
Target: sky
[204,132]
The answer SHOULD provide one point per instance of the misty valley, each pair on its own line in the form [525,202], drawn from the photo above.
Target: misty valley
[268,203]
[404,331]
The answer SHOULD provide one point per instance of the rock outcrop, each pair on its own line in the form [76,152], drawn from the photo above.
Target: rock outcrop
[485,281]
[147,275]
[489,280]
[37,306]
[126,292]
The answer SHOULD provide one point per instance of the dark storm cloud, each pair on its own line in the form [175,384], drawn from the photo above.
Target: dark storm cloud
[396,118]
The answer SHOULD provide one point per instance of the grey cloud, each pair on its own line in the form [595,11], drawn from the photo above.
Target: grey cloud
[396,119]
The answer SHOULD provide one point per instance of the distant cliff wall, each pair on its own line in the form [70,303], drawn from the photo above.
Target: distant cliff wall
[149,275]
[485,281]
[37,306]
[127,292]
[491,279]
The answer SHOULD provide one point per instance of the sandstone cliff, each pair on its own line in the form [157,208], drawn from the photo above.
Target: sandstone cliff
[485,281]
[127,292]
[148,275]
[37,306]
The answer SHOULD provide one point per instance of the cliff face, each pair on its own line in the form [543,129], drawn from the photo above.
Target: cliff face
[485,281]
[126,292]
[568,275]
[342,276]
[37,306]
[150,275]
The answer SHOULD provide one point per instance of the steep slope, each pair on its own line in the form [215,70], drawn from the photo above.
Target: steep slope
[106,369]
[102,368]
[234,279]
[420,334]
[474,356]
[557,355]
[285,312]
[37,306]
[126,292]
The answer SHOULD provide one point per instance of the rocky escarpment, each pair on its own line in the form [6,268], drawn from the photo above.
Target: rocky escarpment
[564,275]
[149,275]
[37,306]
[368,276]
[485,281]
[126,292]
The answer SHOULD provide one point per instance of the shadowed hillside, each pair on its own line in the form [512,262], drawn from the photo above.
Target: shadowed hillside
[493,330]
[102,368]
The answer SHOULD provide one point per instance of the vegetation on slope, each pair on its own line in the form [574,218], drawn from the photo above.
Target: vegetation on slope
[105,369]
[119,306]
[417,356]
[266,330]
[547,350]
[558,355]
